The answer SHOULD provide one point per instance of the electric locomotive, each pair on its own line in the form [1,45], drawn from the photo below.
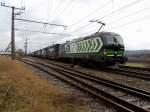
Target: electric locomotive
[103,48]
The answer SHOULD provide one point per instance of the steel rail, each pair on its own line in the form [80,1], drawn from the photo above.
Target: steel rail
[135,68]
[88,89]
[117,100]
[132,74]
[104,81]
[108,81]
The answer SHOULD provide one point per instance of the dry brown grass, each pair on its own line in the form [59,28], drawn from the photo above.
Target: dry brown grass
[23,91]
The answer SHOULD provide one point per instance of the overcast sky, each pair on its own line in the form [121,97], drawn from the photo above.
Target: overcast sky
[129,18]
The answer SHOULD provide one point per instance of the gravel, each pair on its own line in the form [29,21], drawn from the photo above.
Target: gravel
[93,104]
[134,82]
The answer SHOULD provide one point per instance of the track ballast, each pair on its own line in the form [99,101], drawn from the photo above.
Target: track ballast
[120,96]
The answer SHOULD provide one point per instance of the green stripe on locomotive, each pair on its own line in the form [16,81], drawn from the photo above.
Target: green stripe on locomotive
[110,52]
[85,48]
[92,45]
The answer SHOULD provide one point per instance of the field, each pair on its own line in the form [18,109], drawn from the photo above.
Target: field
[138,63]
[21,90]
[134,64]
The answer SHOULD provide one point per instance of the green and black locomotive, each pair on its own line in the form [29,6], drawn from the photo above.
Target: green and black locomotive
[102,48]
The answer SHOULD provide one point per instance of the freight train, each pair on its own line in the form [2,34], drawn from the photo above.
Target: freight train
[102,48]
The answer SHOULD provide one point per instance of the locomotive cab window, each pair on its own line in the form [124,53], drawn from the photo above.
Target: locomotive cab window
[113,39]
[119,39]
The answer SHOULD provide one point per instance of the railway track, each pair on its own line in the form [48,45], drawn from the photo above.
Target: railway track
[138,69]
[123,98]
[130,72]
[132,67]
[134,72]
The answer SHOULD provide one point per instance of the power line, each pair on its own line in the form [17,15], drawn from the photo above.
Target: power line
[55,13]
[67,6]
[48,9]
[81,27]
[13,27]
[131,14]
[130,22]
[51,7]
[94,11]
[20,2]
[42,32]
[45,23]
[57,6]
[120,9]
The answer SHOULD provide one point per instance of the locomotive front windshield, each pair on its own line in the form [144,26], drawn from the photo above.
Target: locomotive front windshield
[113,39]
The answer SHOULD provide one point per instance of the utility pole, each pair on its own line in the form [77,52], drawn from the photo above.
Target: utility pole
[26,46]
[13,27]
[12,35]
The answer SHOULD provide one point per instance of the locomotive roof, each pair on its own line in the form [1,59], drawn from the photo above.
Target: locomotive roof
[83,38]
[92,36]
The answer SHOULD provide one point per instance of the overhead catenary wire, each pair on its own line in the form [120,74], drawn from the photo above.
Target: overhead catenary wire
[120,9]
[82,27]
[42,32]
[87,25]
[12,27]
[131,14]
[21,2]
[130,22]
[48,10]
[58,6]
[116,11]
[63,10]
[45,23]
[91,13]
[53,8]
[128,15]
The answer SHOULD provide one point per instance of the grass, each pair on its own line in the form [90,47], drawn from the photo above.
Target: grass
[137,64]
[143,65]
[21,90]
